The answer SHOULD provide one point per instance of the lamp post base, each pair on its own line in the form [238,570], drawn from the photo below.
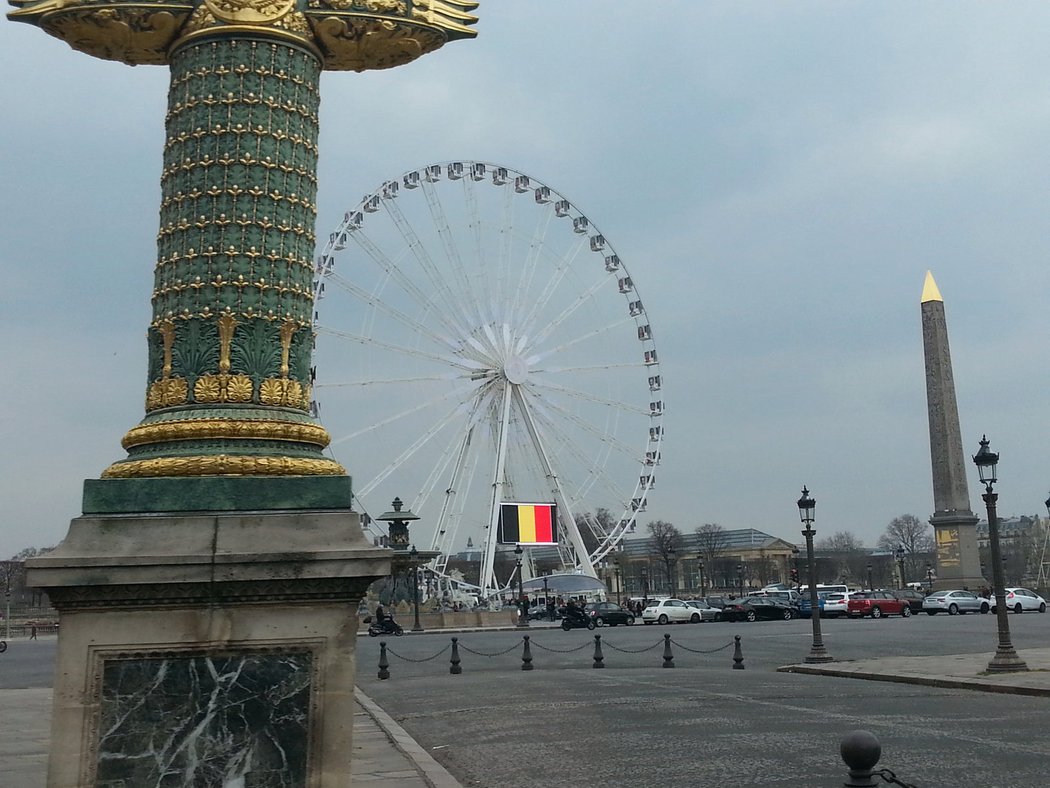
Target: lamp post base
[1007,662]
[818,654]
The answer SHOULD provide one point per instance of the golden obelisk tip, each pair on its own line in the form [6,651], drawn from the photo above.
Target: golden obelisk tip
[929,289]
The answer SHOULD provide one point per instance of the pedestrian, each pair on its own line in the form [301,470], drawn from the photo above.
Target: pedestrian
[32,630]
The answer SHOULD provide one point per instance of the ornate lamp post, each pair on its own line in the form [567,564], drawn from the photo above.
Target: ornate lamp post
[619,586]
[899,553]
[672,560]
[806,508]
[546,599]
[645,583]
[929,578]
[413,566]
[871,585]
[700,569]
[523,615]
[794,570]
[740,579]
[1005,659]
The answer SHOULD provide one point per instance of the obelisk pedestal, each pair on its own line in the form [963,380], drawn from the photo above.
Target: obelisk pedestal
[954,524]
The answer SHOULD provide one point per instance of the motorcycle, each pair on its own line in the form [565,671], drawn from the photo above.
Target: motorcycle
[385,627]
[575,619]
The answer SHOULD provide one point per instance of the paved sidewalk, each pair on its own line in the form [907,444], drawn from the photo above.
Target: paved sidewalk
[955,671]
[385,756]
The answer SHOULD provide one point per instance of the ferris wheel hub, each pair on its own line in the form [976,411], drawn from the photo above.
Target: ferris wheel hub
[516,370]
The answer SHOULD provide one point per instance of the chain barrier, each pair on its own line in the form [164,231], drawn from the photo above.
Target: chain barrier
[890,777]
[483,654]
[393,653]
[607,644]
[700,650]
[581,647]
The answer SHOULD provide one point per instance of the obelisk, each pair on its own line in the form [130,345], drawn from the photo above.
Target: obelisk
[207,596]
[954,524]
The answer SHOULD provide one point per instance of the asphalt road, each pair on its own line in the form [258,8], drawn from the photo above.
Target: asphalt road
[702,723]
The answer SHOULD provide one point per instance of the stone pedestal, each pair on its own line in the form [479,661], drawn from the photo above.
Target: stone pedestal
[206,648]
[955,534]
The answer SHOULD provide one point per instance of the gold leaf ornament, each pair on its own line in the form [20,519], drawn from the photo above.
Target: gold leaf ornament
[249,11]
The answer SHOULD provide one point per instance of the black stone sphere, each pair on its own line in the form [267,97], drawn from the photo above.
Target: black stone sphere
[860,750]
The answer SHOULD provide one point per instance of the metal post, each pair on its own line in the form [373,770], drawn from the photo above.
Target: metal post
[703,581]
[740,578]
[871,585]
[523,608]
[454,660]
[668,656]
[738,655]
[817,652]
[416,626]
[384,663]
[860,751]
[1005,659]
[7,614]
[526,654]
[599,658]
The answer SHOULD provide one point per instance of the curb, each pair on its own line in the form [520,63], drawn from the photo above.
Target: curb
[975,685]
[433,772]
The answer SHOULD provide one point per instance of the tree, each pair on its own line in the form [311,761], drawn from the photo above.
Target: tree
[666,539]
[848,556]
[916,537]
[712,541]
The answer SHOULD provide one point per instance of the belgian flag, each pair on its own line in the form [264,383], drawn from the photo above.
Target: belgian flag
[528,523]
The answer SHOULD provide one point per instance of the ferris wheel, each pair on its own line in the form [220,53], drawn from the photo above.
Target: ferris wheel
[479,341]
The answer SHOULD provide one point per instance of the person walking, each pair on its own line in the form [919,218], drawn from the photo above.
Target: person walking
[32,630]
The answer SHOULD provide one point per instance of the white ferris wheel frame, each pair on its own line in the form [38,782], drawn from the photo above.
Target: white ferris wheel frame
[504,390]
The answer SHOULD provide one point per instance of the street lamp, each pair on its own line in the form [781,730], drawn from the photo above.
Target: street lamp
[672,559]
[413,556]
[619,587]
[806,508]
[1005,659]
[546,599]
[645,583]
[899,553]
[740,579]
[794,569]
[700,568]
[523,610]
[929,578]
[871,585]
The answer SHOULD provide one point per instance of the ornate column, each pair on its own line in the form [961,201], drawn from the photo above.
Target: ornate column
[208,593]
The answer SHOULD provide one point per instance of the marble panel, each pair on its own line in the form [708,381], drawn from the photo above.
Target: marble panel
[203,720]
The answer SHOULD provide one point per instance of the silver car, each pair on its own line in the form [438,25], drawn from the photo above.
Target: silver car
[707,613]
[954,603]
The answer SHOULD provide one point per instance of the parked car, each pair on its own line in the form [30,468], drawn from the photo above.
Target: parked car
[836,604]
[707,613]
[754,608]
[716,601]
[666,611]
[805,605]
[876,604]
[912,597]
[1019,600]
[954,603]
[608,613]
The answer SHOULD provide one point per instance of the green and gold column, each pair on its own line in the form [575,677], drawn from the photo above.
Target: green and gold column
[229,381]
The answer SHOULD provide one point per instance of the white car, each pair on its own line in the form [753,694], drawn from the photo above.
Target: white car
[954,603]
[668,611]
[835,604]
[1019,600]
[707,613]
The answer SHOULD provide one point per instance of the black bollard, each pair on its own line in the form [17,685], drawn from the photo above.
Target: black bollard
[738,655]
[860,750]
[526,654]
[599,658]
[455,669]
[668,656]
[384,663]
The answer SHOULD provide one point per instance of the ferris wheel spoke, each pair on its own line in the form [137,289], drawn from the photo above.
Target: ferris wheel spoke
[553,284]
[528,270]
[582,338]
[438,283]
[569,311]
[379,304]
[504,257]
[588,368]
[403,280]
[577,394]
[435,428]
[452,254]
[393,381]
[459,363]
[454,394]
[603,435]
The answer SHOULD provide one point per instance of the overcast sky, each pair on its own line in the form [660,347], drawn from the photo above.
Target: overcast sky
[778,177]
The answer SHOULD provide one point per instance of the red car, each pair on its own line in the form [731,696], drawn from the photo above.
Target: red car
[876,604]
